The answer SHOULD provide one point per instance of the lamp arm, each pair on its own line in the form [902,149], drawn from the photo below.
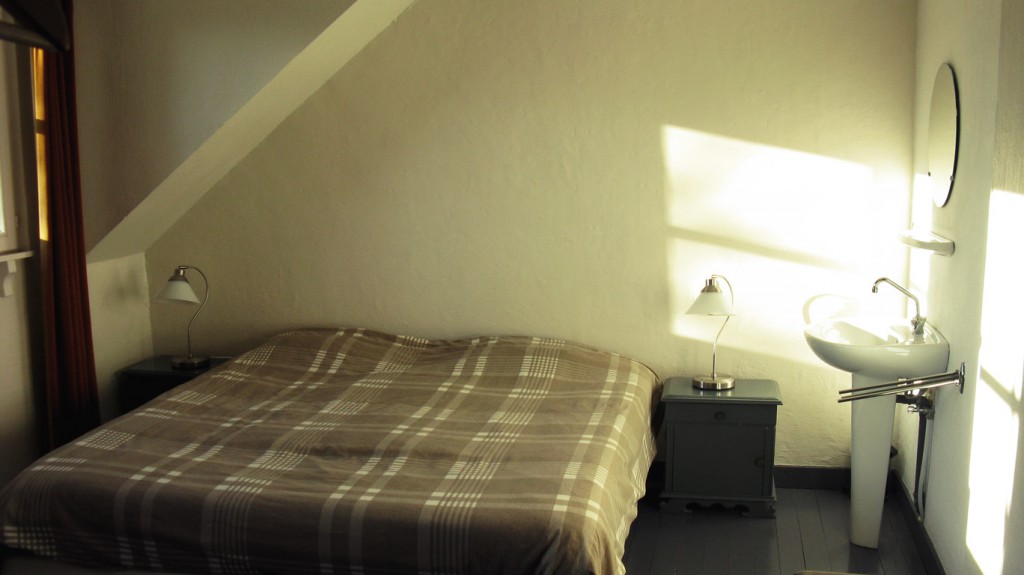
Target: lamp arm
[714,348]
[206,296]
[732,294]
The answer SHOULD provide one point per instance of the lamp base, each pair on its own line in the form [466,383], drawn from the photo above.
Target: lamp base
[717,382]
[190,362]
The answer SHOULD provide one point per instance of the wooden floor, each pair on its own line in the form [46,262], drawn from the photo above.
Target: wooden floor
[810,531]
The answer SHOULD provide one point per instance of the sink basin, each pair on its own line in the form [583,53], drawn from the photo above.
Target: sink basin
[878,347]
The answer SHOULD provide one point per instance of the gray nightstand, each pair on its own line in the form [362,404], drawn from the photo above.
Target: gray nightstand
[141,382]
[720,444]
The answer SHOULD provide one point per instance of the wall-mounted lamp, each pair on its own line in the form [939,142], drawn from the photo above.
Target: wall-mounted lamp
[178,289]
[711,301]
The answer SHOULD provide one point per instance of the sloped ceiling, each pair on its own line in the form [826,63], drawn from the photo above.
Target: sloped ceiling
[40,23]
[231,142]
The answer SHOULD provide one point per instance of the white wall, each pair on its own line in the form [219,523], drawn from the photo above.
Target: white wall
[154,80]
[19,441]
[157,78]
[119,304]
[974,485]
[576,170]
[1002,355]
[568,169]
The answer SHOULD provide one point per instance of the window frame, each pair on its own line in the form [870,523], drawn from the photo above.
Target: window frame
[17,146]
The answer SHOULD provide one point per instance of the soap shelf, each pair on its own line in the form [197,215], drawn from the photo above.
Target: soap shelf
[928,241]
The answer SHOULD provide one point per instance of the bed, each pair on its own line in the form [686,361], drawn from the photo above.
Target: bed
[355,451]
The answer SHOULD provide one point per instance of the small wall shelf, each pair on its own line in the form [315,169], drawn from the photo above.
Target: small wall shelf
[8,266]
[928,241]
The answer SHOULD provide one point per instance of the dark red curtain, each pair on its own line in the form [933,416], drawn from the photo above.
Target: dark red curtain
[72,400]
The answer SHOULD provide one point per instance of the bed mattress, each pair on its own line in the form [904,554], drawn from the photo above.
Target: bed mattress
[354,451]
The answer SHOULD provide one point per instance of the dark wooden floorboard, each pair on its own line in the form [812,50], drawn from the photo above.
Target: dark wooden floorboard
[787,526]
[683,552]
[717,540]
[832,505]
[643,538]
[901,546]
[810,531]
[843,555]
[755,548]
[889,553]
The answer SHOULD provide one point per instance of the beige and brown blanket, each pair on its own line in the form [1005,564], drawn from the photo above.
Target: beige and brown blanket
[353,451]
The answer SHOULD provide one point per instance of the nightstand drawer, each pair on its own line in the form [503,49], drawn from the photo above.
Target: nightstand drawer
[727,414]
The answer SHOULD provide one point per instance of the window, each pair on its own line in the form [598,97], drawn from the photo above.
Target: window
[5,199]
[15,140]
[6,191]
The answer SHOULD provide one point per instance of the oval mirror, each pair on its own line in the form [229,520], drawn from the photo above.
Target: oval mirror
[943,135]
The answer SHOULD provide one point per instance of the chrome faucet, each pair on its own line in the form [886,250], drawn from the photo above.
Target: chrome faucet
[918,320]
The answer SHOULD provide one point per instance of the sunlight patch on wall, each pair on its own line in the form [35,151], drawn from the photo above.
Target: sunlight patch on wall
[997,401]
[991,475]
[772,197]
[922,204]
[782,225]
[921,216]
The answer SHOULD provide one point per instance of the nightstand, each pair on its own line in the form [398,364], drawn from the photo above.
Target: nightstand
[720,445]
[147,379]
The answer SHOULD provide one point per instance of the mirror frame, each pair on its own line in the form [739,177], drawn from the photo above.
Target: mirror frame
[945,101]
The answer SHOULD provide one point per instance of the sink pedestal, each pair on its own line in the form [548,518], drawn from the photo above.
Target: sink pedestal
[870,441]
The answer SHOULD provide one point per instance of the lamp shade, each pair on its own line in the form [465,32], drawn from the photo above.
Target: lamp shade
[178,289]
[711,300]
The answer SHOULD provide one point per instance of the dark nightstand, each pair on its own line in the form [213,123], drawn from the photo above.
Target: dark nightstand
[720,445]
[147,379]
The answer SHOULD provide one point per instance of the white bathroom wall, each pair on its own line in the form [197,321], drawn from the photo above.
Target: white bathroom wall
[997,470]
[973,483]
[575,170]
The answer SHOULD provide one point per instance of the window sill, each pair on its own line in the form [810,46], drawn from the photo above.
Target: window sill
[8,266]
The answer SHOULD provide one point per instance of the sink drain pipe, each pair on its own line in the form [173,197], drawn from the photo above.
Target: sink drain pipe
[918,402]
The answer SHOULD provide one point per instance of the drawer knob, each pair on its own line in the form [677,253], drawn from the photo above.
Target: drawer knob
[759,462]
[719,416]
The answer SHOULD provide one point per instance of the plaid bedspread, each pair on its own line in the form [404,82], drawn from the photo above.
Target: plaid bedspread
[352,451]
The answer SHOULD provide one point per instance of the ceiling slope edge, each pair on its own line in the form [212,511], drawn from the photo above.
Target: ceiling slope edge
[293,85]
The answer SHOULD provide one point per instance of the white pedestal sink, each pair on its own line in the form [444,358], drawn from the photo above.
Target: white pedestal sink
[874,350]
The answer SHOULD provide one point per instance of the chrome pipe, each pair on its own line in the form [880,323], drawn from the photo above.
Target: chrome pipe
[905,385]
[903,382]
[894,391]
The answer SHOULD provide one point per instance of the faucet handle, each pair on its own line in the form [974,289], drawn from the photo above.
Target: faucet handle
[918,322]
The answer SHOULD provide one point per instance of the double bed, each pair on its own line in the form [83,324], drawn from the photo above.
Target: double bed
[355,451]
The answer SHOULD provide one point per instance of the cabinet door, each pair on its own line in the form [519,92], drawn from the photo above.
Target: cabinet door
[718,460]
